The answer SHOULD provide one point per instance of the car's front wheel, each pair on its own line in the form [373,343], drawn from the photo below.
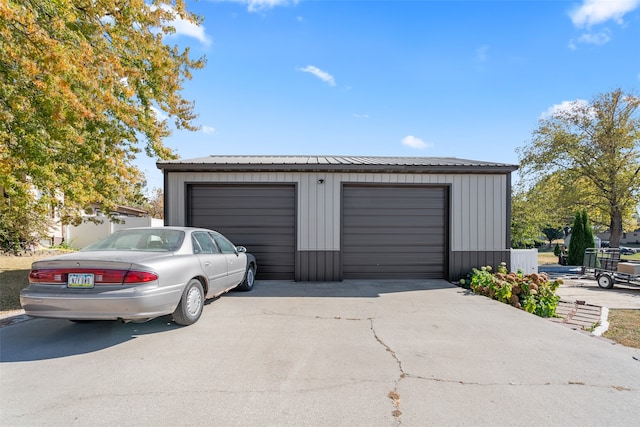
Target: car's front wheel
[191,304]
[249,278]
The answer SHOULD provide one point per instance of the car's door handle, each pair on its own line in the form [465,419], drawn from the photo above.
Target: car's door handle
[207,264]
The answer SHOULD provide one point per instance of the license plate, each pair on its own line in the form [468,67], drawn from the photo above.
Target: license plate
[80,280]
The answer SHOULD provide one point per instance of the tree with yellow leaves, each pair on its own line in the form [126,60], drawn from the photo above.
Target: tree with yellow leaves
[592,152]
[81,85]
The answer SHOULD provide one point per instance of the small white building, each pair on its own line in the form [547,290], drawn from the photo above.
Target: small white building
[98,225]
[79,236]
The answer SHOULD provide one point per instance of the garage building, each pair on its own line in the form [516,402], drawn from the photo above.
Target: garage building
[328,218]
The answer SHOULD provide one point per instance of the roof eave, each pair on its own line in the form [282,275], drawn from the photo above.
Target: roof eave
[457,169]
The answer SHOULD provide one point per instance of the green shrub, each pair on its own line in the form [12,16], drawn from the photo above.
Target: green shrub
[534,293]
[556,250]
[581,238]
[64,246]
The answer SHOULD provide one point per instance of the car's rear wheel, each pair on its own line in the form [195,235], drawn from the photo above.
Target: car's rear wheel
[249,278]
[191,304]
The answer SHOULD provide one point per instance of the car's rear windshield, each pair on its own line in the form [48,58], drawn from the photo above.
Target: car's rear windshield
[156,240]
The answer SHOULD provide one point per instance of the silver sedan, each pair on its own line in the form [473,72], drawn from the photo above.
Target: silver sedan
[138,274]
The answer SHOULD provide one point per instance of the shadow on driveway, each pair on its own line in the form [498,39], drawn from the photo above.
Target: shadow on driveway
[41,339]
[345,289]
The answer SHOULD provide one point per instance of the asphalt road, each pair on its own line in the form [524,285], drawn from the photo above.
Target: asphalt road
[357,353]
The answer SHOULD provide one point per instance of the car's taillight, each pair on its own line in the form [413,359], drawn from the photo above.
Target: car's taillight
[100,277]
[48,276]
[107,277]
[139,277]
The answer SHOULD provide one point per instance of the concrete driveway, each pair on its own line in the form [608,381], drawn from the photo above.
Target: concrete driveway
[356,353]
[621,296]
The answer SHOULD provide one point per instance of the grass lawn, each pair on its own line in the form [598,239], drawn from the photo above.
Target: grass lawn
[14,276]
[547,258]
[624,327]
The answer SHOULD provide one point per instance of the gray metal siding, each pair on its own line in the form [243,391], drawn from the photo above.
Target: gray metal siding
[318,266]
[260,217]
[319,207]
[394,232]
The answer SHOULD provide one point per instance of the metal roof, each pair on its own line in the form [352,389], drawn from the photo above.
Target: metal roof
[335,163]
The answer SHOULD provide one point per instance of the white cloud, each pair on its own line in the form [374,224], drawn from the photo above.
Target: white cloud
[182,26]
[160,115]
[186,28]
[260,5]
[598,39]
[361,116]
[579,107]
[593,12]
[482,53]
[322,75]
[208,130]
[415,142]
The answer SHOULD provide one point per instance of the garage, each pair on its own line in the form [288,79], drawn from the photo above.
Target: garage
[260,217]
[394,232]
[332,218]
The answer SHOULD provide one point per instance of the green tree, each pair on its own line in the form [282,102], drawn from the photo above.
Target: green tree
[589,240]
[577,242]
[19,221]
[552,233]
[81,85]
[581,238]
[594,147]
[541,206]
[525,220]
[155,204]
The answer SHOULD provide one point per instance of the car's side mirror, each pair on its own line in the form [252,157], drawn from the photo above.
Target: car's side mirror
[241,249]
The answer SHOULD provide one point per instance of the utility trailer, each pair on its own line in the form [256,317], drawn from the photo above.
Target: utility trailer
[608,268]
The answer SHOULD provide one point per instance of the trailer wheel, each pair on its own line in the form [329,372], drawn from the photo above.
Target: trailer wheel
[605,281]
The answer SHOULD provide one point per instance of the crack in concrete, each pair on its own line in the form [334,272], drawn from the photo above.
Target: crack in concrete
[394,395]
[303,316]
[514,384]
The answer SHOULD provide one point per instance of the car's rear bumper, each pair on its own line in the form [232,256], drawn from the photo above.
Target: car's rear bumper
[100,303]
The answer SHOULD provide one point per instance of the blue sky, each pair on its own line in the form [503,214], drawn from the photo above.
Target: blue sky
[467,79]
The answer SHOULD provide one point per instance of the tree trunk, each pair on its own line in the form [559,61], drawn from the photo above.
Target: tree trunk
[615,228]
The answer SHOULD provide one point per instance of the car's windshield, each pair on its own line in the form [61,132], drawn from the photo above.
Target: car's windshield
[153,239]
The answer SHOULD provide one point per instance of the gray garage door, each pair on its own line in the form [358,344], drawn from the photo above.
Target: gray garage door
[260,217]
[394,232]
